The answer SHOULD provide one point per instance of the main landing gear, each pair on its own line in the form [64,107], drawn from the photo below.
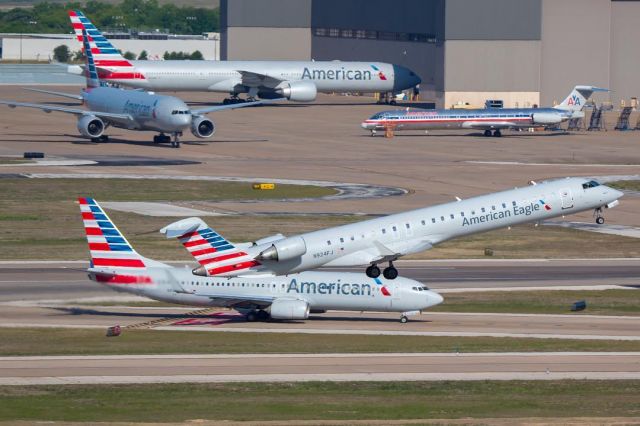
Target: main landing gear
[597,213]
[259,315]
[390,272]
[102,138]
[162,138]
[496,133]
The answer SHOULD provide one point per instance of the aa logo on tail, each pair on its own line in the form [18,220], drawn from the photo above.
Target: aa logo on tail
[574,100]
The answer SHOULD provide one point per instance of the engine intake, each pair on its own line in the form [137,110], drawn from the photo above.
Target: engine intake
[288,248]
[202,127]
[90,126]
[289,309]
[298,91]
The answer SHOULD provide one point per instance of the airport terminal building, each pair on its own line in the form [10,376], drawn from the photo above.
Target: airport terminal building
[524,52]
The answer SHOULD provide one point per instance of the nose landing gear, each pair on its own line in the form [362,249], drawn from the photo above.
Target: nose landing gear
[597,213]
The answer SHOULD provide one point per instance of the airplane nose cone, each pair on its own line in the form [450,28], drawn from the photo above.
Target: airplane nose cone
[434,299]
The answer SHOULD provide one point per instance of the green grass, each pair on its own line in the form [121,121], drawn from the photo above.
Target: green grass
[626,185]
[322,401]
[53,190]
[12,160]
[606,302]
[40,341]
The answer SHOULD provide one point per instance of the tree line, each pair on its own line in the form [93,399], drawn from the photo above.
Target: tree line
[63,54]
[139,15]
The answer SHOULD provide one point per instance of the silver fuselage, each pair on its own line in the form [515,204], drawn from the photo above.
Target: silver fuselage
[322,290]
[147,111]
[462,118]
[226,76]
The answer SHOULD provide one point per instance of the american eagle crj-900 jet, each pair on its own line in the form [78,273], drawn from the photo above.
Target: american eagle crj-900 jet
[491,120]
[386,239]
[114,263]
[295,80]
[131,109]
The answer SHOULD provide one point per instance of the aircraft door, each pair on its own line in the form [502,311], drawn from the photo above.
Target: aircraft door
[396,296]
[566,197]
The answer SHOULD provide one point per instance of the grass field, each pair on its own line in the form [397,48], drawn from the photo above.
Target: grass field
[606,302]
[626,185]
[321,401]
[38,341]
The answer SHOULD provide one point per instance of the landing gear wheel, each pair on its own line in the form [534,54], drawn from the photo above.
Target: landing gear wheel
[373,271]
[487,133]
[497,134]
[373,133]
[252,316]
[262,315]
[390,273]
[404,319]
[176,140]
[104,138]
[175,144]
[600,220]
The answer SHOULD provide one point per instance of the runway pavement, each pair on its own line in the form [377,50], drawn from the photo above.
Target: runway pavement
[57,370]
[67,280]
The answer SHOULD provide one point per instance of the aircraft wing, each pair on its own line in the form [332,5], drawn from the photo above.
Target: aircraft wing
[253,79]
[216,108]
[51,92]
[49,108]
[240,300]
[488,125]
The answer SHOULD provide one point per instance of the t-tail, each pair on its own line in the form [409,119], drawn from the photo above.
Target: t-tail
[113,259]
[215,254]
[578,98]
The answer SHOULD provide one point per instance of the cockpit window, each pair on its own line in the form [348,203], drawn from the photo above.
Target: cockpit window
[590,184]
[180,111]
[421,288]
[378,116]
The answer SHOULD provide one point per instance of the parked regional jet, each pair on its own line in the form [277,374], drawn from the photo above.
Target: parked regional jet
[386,239]
[294,80]
[116,264]
[488,119]
[131,109]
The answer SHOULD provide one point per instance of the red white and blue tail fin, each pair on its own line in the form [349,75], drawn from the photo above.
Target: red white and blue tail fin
[90,67]
[216,255]
[108,247]
[105,54]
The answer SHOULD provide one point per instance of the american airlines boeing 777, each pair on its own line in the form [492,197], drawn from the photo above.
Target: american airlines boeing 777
[294,80]
[131,109]
[386,239]
[114,263]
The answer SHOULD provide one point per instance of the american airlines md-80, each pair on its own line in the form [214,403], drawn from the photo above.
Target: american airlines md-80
[294,80]
[388,238]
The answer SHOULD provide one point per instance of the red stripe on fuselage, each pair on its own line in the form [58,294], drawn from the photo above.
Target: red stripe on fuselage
[123,279]
[234,267]
[452,120]
[126,263]
[112,63]
[222,257]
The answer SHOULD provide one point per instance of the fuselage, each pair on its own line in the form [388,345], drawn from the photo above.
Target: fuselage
[418,230]
[322,290]
[227,76]
[489,118]
[148,111]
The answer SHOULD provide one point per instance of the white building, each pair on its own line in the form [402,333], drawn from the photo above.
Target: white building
[39,47]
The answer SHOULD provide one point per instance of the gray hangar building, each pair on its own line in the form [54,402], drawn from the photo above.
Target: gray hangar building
[524,52]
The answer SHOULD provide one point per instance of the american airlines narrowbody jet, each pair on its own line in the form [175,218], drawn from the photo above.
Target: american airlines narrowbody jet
[295,80]
[131,109]
[386,239]
[491,120]
[114,263]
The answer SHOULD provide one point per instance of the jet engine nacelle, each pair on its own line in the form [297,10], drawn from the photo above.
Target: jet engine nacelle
[90,126]
[288,248]
[289,309]
[546,118]
[298,91]
[202,127]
